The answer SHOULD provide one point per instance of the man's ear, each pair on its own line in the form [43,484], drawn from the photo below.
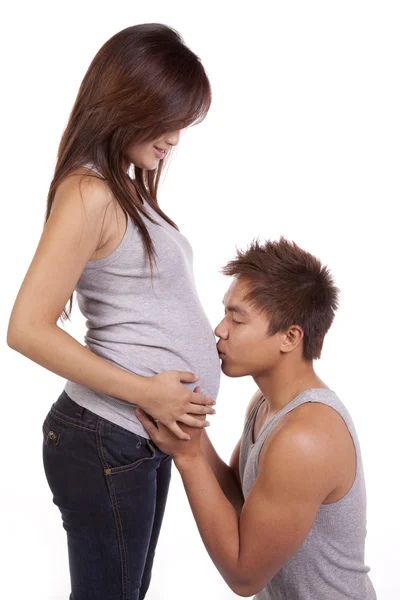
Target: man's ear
[292,338]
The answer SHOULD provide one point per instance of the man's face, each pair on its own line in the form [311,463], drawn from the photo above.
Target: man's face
[245,347]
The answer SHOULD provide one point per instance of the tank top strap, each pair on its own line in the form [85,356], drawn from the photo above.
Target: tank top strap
[248,427]
[321,395]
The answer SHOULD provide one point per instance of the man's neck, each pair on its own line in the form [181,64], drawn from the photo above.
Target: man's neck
[282,384]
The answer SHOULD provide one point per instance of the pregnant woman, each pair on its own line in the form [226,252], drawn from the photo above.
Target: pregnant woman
[148,341]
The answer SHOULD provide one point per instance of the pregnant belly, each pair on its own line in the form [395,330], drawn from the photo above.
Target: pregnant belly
[148,360]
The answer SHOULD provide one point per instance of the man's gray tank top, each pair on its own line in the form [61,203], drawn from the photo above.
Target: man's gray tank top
[329,565]
[142,324]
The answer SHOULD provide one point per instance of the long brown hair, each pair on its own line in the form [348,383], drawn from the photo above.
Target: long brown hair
[291,287]
[142,83]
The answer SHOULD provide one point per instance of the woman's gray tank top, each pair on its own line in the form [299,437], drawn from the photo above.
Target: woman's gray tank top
[144,325]
[329,565]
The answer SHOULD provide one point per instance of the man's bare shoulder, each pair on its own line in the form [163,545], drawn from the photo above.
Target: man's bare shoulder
[313,432]
[316,416]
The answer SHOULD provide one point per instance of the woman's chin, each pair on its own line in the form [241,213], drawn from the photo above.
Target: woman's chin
[147,165]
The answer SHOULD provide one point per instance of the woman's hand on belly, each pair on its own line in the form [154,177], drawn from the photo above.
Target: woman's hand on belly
[168,400]
[167,442]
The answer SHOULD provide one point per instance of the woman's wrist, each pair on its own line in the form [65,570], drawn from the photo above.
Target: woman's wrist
[133,388]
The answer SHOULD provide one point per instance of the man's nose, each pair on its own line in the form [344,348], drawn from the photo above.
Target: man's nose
[221,330]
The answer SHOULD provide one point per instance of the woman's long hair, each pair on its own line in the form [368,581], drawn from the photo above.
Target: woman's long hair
[142,83]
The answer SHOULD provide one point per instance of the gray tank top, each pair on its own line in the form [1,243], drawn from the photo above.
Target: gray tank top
[143,325]
[329,565]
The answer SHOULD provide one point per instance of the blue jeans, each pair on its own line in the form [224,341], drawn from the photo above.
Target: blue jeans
[111,487]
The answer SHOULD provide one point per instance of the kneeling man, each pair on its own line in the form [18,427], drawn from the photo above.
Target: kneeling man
[286,520]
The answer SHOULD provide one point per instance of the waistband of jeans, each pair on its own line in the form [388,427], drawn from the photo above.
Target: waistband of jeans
[64,404]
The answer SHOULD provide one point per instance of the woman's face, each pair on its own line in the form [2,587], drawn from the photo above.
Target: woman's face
[147,155]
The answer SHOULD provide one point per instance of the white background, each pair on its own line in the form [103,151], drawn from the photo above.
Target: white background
[303,140]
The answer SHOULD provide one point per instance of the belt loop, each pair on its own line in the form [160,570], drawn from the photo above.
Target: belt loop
[80,411]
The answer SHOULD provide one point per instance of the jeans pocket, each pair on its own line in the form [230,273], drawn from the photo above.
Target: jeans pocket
[122,450]
[51,433]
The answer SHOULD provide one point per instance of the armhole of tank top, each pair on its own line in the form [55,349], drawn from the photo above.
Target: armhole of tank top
[110,258]
[356,445]
[250,419]
[92,264]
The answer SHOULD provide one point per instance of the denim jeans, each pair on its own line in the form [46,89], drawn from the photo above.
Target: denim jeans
[111,487]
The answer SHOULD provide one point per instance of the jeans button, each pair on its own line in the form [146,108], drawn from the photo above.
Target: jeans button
[53,437]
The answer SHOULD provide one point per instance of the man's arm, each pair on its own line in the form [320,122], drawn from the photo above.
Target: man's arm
[228,476]
[223,473]
[296,473]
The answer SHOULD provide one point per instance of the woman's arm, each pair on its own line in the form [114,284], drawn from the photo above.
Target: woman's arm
[70,237]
